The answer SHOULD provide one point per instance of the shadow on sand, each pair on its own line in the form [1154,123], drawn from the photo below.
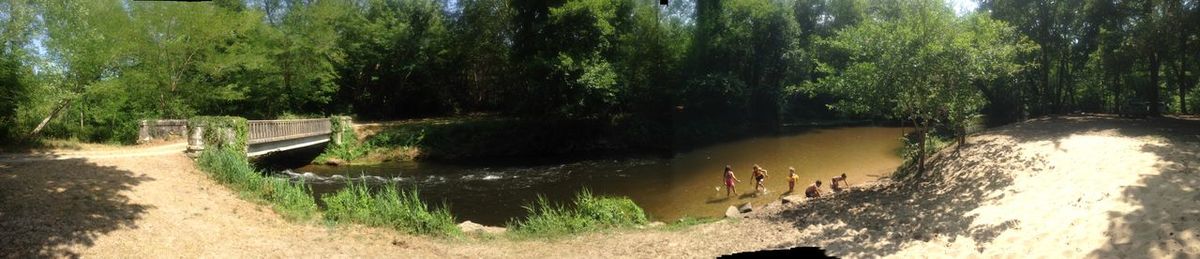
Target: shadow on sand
[884,219]
[48,206]
[1168,203]
[887,217]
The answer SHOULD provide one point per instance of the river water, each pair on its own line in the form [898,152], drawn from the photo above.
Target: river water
[688,184]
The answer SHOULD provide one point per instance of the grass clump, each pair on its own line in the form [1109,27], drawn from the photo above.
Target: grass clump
[389,207]
[292,200]
[589,213]
[685,222]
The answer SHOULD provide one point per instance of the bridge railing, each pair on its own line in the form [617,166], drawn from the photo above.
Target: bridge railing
[262,131]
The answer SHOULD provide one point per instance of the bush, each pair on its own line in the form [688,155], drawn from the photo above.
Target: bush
[590,213]
[390,207]
[292,200]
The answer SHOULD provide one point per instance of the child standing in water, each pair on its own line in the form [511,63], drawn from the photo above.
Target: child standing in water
[792,179]
[729,178]
[759,175]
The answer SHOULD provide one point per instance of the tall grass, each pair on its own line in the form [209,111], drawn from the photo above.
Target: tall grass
[389,207]
[589,213]
[292,200]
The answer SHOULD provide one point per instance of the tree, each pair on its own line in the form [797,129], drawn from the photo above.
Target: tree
[739,60]
[923,65]
[14,84]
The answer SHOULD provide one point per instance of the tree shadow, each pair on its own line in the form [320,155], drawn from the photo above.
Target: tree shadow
[880,220]
[47,207]
[1166,221]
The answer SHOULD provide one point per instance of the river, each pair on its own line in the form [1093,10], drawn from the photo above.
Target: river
[688,184]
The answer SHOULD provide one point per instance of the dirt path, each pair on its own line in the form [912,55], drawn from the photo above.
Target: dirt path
[1063,187]
[159,149]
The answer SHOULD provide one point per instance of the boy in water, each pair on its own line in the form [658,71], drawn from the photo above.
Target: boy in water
[792,179]
[759,174]
[838,187]
[729,178]
[814,190]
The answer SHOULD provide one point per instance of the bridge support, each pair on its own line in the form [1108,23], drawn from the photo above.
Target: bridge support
[206,132]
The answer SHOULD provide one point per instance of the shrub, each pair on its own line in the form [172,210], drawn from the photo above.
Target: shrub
[590,213]
[390,207]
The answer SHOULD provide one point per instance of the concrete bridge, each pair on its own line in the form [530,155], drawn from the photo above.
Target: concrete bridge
[266,136]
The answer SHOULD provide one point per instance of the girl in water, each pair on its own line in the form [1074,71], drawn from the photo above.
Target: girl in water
[729,178]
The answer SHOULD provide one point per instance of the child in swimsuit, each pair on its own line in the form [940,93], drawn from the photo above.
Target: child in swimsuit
[814,190]
[729,178]
[792,179]
[759,174]
[836,179]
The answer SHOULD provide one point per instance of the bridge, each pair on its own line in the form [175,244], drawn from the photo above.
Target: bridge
[266,136]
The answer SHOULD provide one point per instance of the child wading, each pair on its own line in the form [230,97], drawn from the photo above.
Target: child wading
[759,175]
[792,179]
[729,178]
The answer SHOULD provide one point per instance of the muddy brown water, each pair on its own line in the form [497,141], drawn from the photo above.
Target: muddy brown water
[687,185]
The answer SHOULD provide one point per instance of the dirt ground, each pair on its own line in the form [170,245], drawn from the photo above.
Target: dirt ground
[1083,186]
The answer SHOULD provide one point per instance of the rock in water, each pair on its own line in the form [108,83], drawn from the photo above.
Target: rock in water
[732,212]
[308,176]
[337,177]
[746,208]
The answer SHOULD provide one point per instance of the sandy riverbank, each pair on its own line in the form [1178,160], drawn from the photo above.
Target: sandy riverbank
[1059,187]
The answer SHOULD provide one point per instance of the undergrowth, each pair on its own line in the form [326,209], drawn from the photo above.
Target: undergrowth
[588,213]
[389,207]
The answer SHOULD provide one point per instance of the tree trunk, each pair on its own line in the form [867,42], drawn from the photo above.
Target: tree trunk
[46,120]
[1182,84]
[920,148]
[1045,83]
[1155,64]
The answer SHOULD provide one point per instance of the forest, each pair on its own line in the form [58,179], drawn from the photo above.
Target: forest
[89,70]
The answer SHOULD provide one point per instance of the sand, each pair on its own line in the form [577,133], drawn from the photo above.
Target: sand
[1083,186]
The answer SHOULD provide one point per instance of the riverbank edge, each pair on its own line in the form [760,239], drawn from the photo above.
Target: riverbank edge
[497,137]
[406,141]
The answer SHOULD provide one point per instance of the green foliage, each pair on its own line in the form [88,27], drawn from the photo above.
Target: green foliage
[389,207]
[218,131]
[753,42]
[350,147]
[506,137]
[922,66]
[291,200]
[588,213]
[13,94]
[911,151]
